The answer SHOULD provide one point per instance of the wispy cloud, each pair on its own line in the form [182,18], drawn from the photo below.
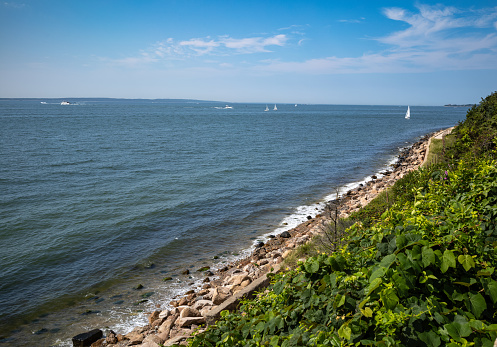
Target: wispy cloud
[13,5]
[353,21]
[171,49]
[437,38]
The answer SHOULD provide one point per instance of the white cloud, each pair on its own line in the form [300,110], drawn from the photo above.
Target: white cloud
[254,44]
[437,38]
[200,46]
[169,49]
[352,21]
[434,38]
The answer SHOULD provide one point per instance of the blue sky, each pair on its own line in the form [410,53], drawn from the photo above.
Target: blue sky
[334,52]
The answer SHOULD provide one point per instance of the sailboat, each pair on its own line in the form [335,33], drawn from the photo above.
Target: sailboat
[275,108]
[267,108]
[408,113]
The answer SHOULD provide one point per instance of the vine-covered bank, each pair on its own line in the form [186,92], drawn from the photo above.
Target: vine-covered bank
[423,275]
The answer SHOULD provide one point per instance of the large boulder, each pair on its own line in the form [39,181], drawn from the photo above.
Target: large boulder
[220,295]
[189,312]
[86,339]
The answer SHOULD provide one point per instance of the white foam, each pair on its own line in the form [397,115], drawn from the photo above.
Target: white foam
[301,213]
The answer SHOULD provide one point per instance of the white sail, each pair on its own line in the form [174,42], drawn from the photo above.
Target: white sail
[275,108]
[408,113]
[267,108]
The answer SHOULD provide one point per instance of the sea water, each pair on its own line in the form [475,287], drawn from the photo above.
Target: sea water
[103,196]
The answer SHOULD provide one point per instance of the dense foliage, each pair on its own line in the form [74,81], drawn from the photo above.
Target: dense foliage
[477,135]
[423,275]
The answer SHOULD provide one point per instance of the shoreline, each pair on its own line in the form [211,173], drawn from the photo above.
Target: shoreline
[238,278]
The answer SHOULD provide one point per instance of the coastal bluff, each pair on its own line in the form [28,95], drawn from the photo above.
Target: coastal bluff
[224,289]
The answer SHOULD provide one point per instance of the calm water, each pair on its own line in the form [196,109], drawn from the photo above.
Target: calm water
[101,195]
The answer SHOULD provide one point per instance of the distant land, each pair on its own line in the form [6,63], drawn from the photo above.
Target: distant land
[454,105]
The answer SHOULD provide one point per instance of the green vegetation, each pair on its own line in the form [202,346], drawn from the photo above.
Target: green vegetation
[416,270]
[436,152]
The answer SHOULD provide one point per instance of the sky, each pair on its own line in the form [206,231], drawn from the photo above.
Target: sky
[286,51]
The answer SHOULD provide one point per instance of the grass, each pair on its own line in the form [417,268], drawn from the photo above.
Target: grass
[435,152]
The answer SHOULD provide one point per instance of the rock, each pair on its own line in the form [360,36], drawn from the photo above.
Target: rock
[259,244]
[138,287]
[285,235]
[111,338]
[263,262]
[236,280]
[220,295]
[199,305]
[152,341]
[183,301]
[165,328]
[189,312]
[309,217]
[98,343]
[164,314]
[202,269]
[286,253]
[245,283]
[134,338]
[86,339]
[174,341]
[203,292]
[189,321]
[154,316]
[186,272]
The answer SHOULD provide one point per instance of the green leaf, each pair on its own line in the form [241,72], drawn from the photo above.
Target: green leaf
[401,284]
[344,332]
[478,304]
[430,338]
[492,291]
[367,312]
[377,274]
[330,279]
[400,241]
[275,340]
[388,260]
[448,260]
[311,266]
[459,328]
[428,256]
[372,286]
[389,298]
[466,261]
[476,324]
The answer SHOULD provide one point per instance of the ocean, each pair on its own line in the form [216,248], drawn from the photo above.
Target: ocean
[102,196]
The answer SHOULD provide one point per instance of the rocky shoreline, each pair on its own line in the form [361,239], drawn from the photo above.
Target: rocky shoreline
[224,288]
